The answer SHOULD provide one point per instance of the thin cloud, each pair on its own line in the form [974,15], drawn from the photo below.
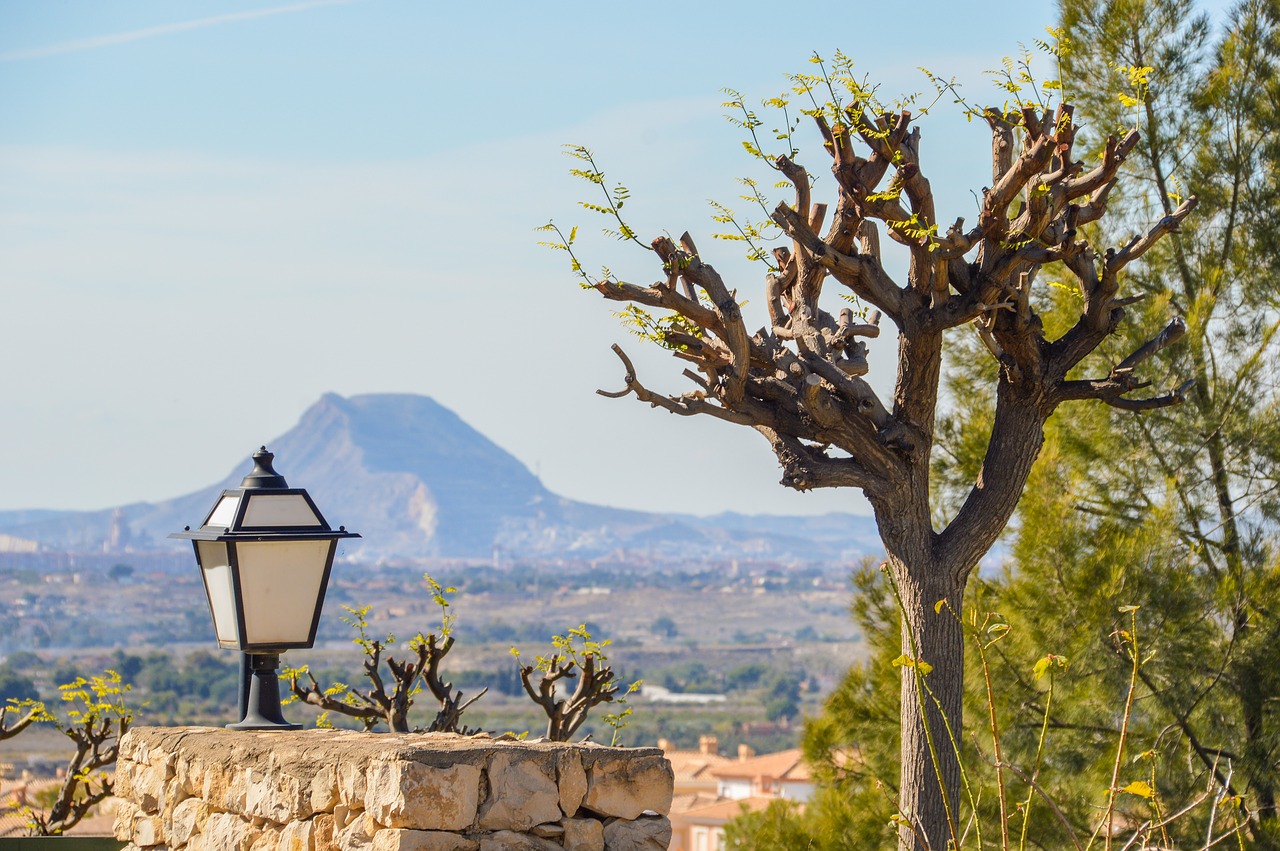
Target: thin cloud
[164,29]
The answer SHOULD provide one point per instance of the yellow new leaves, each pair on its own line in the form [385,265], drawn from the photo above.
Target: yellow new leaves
[905,661]
[1138,80]
[1140,788]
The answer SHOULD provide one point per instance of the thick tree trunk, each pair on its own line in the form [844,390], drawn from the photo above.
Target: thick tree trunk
[929,568]
[1252,697]
[929,784]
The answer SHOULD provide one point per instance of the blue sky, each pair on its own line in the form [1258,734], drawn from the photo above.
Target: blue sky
[215,212]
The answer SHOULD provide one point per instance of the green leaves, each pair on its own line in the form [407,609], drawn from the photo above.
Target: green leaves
[615,198]
[753,233]
[664,330]
[96,716]
[440,596]
[1047,664]
[915,230]
[566,244]
[618,720]
[746,119]
[997,630]
[839,86]
[1016,78]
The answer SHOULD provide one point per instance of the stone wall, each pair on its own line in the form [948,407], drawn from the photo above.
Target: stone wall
[201,789]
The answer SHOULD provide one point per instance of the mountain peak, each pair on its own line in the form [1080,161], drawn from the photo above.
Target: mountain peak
[417,482]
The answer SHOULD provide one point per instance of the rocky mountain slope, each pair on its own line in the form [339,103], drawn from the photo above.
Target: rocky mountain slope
[418,482]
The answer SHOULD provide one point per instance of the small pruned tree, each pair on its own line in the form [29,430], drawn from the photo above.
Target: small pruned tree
[388,698]
[798,380]
[96,718]
[576,659]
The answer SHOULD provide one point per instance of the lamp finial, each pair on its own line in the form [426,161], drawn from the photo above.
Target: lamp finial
[263,476]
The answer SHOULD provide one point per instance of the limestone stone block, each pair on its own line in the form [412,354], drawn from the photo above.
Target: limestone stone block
[551,830]
[322,833]
[400,793]
[145,785]
[324,789]
[351,782]
[344,815]
[126,812]
[509,840]
[223,787]
[127,748]
[297,836]
[403,839]
[572,780]
[651,833]
[188,771]
[276,796]
[228,832]
[626,787]
[583,834]
[522,793]
[174,794]
[267,840]
[163,760]
[188,819]
[358,834]
[147,831]
[124,778]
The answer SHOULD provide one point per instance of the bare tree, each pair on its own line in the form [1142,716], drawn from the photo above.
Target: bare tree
[798,381]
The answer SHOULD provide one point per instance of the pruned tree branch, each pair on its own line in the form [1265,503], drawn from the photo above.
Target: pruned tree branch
[386,701]
[686,405]
[578,659]
[861,273]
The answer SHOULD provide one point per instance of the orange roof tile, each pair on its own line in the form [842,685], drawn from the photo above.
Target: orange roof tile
[726,809]
[694,765]
[783,765]
[682,802]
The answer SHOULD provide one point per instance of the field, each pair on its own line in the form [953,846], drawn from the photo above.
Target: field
[772,641]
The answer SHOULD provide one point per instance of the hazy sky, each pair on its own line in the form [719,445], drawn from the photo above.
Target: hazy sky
[214,212]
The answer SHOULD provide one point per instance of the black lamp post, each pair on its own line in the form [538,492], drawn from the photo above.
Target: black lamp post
[264,552]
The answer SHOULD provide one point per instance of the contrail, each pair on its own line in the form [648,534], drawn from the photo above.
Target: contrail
[163,29]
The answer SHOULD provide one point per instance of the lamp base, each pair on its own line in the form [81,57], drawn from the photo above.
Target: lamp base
[262,710]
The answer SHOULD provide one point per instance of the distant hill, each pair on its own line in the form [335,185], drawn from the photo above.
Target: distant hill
[417,482]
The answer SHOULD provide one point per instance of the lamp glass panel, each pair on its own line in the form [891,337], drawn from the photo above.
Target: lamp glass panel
[280,584]
[215,569]
[224,513]
[272,510]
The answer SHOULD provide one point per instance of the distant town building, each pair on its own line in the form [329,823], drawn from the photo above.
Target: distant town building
[710,789]
[658,694]
[10,544]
